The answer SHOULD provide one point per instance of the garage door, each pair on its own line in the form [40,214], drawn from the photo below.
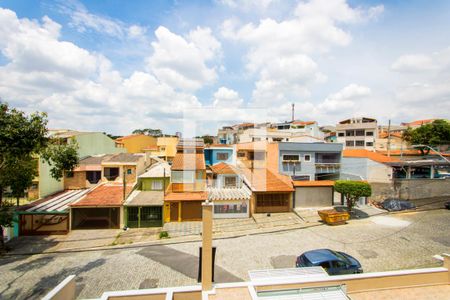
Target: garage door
[95,218]
[272,203]
[191,211]
[314,196]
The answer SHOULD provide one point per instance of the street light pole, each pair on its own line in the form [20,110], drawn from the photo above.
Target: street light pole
[438,153]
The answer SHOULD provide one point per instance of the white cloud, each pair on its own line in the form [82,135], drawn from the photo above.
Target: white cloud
[280,52]
[79,89]
[345,100]
[227,98]
[247,5]
[183,62]
[421,62]
[83,20]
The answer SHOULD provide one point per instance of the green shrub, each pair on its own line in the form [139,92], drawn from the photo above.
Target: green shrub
[352,190]
[163,235]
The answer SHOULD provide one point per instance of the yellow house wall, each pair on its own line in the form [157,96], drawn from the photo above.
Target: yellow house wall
[137,143]
[170,143]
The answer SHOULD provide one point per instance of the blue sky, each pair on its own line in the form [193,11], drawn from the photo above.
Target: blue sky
[119,65]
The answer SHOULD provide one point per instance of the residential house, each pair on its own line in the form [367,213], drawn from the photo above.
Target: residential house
[89,143]
[271,192]
[187,190]
[86,174]
[144,206]
[357,133]
[166,148]
[361,164]
[102,206]
[312,167]
[309,128]
[136,143]
[228,193]
[392,141]
[230,134]
[257,155]
[217,153]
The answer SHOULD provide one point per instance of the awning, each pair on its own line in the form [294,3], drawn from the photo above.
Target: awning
[58,203]
[224,194]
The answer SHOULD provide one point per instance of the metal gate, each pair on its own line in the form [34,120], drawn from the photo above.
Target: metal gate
[144,216]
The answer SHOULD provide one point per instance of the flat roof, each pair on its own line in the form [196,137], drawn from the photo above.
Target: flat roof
[312,147]
[145,198]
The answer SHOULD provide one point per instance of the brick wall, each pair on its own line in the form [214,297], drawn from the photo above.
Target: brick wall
[78,181]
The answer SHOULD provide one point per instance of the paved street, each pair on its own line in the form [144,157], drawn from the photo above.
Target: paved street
[381,243]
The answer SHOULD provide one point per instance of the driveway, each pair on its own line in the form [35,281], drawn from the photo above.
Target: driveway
[381,243]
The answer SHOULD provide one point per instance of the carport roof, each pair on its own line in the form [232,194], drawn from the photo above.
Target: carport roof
[224,194]
[57,203]
[145,198]
[186,196]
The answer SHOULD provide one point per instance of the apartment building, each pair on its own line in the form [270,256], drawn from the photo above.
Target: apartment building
[357,133]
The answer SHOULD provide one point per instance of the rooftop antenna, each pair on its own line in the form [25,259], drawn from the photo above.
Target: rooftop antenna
[293,110]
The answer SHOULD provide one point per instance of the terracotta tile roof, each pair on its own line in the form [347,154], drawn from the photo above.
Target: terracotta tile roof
[104,195]
[151,148]
[223,168]
[410,152]
[313,183]
[186,196]
[188,161]
[264,180]
[419,122]
[362,153]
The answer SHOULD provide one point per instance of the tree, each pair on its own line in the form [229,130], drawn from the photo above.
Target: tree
[61,157]
[432,134]
[148,131]
[352,190]
[22,139]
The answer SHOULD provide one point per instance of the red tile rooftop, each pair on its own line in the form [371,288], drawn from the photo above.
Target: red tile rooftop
[107,194]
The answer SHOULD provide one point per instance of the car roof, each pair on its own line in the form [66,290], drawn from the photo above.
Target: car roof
[320,255]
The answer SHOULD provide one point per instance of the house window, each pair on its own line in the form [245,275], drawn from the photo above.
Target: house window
[230,181]
[341,134]
[291,157]
[359,143]
[350,143]
[183,176]
[129,171]
[222,156]
[241,154]
[259,155]
[111,173]
[350,133]
[93,176]
[307,157]
[369,133]
[369,144]
[359,132]
[157,185]
[291,167]
[301,177]
[230,209]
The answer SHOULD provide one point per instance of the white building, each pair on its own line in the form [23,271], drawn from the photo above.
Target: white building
[357,133]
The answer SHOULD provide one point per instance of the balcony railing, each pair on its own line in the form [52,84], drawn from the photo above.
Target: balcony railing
[328,167]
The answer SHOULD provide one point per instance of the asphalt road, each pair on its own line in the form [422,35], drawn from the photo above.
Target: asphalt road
[380,243]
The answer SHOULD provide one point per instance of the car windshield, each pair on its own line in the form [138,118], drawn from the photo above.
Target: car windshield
[342,257]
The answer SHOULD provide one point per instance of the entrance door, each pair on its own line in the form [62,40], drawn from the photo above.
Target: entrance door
[174,211]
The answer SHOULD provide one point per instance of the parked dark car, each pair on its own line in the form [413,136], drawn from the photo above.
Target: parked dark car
[447,205]
[334,262]
[397,205]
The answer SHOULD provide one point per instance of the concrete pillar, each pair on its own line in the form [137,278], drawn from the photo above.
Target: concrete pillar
[207,245]
[447,264]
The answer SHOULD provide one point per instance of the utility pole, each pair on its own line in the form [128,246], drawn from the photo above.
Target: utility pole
[389,140]
[293,110]
[124,182]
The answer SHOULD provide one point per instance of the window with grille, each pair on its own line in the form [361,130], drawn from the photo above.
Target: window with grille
[157,185]
[222,156]
[359,143]
[350,143]
[359,132]
[291,157]
[230,209]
